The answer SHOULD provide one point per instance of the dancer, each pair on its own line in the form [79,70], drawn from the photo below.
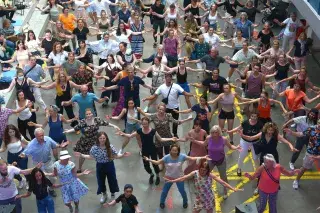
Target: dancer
[72,188]
[148,148]
[128,200]
[131,114]
[203,183]
[89,127]
[38,185]
[269,178]
[104,153]
[173,163]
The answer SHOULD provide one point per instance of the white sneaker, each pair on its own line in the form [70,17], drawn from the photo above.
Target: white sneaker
[146,109]
[256,191]
[293,125]
[291,165]
[228,79]
[120,152]
[22,183]
[295,184]
[103,198]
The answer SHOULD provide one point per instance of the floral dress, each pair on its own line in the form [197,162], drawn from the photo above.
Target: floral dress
[75,188]
[273,57]
[89,134]
[84,79]
[204,194]
[163,128]
[120,105]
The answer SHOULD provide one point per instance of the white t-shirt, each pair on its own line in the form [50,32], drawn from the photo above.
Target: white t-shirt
[291,26]
[213,40]
[302,124]
[59,58]
[8,189]
[173,99]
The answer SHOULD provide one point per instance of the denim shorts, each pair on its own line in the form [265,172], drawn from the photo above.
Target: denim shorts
[132,127]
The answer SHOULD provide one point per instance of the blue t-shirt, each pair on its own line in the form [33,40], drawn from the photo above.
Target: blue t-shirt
[35,73]
[202,116]
[131,90]
[313,147]
[244,27]
[85,103]
[174,167]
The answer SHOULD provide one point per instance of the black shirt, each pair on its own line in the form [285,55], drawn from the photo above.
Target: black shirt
[251,130]
[265,38]
[147,140]
[158,9]
[48,45]
[128,203]
[40,190]
[215,86]
[81,34]
[231,8]
[282,71]
[251,12]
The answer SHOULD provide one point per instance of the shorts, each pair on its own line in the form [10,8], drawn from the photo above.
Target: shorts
[132,127]
[185,87]
[226,115]
[214,26]
[234,65]
[252,96]
[308,161]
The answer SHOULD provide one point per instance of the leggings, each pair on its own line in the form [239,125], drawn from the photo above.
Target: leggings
[160,150]
[176,117]
[23,127]
[272,200]
[153,155]
[158,24]
[301,141]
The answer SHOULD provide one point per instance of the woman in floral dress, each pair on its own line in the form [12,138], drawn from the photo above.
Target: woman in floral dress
[272,56]
[72,187]
[162,121]
[89,128]
[203,185]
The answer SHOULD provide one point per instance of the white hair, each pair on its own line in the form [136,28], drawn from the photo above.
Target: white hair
[216,128]
[270,158]
[38,130]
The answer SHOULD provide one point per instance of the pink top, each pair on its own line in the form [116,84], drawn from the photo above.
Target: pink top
[171,46]
[266,184]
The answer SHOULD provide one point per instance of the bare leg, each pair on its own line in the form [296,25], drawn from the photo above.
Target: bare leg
[230,73]
[221,123]
[230,127]
[125,143]
[81,162]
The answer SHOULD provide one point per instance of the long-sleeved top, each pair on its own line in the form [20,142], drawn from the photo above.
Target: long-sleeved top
[104,48]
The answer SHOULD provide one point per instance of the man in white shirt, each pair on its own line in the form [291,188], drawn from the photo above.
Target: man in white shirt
[212,38]
[289,33]
[170,93]
[8,188]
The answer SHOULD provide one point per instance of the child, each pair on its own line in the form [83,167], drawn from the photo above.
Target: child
[128,200]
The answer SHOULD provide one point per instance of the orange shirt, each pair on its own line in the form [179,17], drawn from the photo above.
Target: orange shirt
[264,112]
[294,99]
[68,21]
[266,184]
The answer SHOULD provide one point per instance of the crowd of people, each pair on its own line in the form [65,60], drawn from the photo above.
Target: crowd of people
[70,63]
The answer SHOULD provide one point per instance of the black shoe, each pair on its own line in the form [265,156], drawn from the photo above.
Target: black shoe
[52,193]
[79,171]
[231,142]
[239,172]
[185,205]
[155,44]
[162,205]
[13,21]
[157,181]
[151,179]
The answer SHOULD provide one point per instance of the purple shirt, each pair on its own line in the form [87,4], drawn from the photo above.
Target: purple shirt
[216,149]
[171,46]
[4,117]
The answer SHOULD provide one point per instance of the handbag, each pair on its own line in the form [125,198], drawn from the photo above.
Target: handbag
[166,100]
[270,175]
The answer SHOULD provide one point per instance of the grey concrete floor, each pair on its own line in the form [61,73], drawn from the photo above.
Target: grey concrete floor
[130,170]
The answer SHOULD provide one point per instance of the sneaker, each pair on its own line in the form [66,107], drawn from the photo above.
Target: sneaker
[295,184]
[22,183]
[146,109]
[140,153]
[52,193]
[157,181]
[185,205]
[291,165]
[120,152]
[104,197]
[155,44]
[228,79]
[162,205]
[256,191]
[113,194]
[239,173]
[151,179]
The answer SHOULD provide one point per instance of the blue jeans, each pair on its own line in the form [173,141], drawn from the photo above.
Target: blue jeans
[280,88]
[166,188]
[11,201]
[46,205]
[10,44]
[103,171]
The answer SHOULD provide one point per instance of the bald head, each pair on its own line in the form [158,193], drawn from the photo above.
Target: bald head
[214,52]
[84,90]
